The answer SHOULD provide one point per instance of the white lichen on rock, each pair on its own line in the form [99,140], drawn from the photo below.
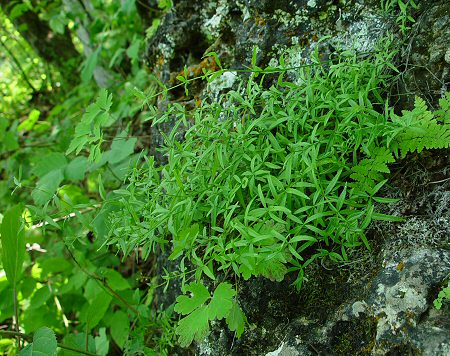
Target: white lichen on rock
[362,35]
[290,20]
[225,81]
[167,49]
[211,26]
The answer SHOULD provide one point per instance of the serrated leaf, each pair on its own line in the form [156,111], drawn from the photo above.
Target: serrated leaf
[236,319]
[199,295]
[88,131]
[194,326]
[13,244]
[221,302]
[273,270]
[44,344]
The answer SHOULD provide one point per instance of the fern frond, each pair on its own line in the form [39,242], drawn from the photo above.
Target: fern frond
[443,113]
[370,171]
[421,130]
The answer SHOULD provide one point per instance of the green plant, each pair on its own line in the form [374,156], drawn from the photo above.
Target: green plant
[443,296]
[44,343]
[221,305]
[274,176]
[270,179]
[404,18]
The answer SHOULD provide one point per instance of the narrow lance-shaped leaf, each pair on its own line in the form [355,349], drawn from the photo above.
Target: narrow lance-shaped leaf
[13,244]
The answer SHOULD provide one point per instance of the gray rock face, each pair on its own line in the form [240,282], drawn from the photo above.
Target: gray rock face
[398,299]
[427,55]
[381,302]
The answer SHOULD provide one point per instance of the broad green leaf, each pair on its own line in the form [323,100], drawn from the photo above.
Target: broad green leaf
[40,297]
[74,283]
[13,244]
[18,10]
[115,280]
[53,265]
[199,295]
[46,187]
[194,326]
[120,327]
[101,343]
[44,344]
[28,124]
[236,319]
[92,289]
[133,50]
[57,23]
[10,142]
[48,163]
[221,302]
[88,130]
[89,66]
[77,342]
[33,319]
[4,123]
[96,310]
[121,148]
[76,169]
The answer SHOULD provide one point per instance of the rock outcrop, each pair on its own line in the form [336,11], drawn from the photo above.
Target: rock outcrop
[381,301]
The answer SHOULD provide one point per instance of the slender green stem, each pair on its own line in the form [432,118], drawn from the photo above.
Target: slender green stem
[16,315]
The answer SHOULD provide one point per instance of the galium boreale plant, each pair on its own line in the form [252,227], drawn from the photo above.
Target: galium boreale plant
[267,180]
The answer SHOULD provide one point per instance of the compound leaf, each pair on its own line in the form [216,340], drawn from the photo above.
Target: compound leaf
[222,301]
[194,326]
[199,295]
[236,319]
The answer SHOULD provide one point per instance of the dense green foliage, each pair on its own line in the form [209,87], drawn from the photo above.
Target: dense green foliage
[271,177]
[265,181]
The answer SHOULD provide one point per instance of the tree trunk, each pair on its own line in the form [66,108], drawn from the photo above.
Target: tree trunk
[54,48]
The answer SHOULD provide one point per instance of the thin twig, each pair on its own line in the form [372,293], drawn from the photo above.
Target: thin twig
[65,217]
[102,282]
